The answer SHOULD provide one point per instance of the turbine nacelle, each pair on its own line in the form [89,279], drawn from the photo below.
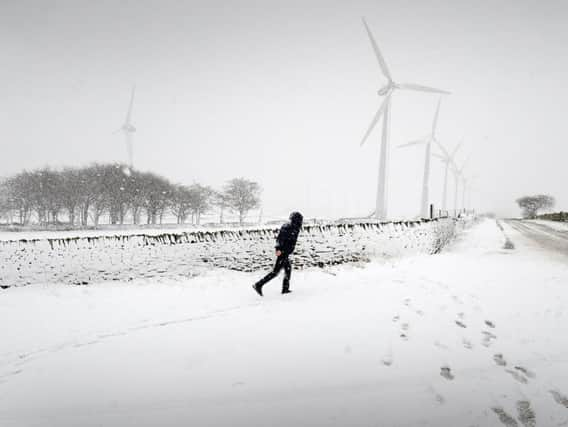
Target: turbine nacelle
[385,90]
[127,127]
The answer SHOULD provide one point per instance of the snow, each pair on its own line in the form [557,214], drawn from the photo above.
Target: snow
[354,345]
[110,232]
[555,225]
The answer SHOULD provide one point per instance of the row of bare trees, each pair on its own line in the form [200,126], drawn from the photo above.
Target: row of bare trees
[85,196]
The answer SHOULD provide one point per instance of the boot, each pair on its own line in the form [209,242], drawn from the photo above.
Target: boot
[258,288]
[286,287]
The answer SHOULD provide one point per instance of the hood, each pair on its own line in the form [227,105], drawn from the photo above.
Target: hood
[296,219]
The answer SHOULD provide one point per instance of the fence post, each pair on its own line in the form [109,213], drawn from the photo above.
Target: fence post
[431,211]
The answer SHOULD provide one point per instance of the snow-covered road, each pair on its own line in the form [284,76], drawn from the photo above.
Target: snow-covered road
[545,233]
[474,336]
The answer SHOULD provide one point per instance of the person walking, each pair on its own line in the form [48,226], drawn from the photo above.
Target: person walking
[285,245]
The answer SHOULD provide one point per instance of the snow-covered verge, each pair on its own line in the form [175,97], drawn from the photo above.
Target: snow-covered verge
[555,225]
[84,260]
[474,336]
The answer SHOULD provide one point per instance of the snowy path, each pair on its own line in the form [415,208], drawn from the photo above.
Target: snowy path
[474,336]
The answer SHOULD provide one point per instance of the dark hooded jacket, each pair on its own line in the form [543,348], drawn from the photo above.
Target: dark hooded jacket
[288,235]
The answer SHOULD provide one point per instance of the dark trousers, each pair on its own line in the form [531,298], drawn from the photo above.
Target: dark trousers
[282,262]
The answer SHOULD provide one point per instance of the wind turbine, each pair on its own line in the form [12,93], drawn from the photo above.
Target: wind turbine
[466,187]
[426,178]
[470,189]
[128,129]
[384,112]
[448,160]
[458,172]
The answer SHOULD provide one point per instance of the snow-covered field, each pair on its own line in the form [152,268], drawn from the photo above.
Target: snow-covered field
[474,336]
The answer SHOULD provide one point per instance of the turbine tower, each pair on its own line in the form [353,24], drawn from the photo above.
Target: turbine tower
[384,112]
[128,129]
[464,186]
[458,173]
[424,205]
[448,160]
[467,185]
[466,182]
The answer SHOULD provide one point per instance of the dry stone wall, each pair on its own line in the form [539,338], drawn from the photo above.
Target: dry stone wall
[86,260]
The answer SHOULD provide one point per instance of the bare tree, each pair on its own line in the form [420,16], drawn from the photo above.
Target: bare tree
[220,200]
[157,193]
[70,193]
[532,204]
[242,196]
[90,198]
[201,199]
[6,207]
[136,196]
[181,203]
[43,189]
[20,196]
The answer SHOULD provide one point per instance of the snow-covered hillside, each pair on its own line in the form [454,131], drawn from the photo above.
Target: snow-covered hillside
[473,336]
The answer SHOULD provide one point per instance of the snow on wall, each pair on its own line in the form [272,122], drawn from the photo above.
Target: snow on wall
[84,260]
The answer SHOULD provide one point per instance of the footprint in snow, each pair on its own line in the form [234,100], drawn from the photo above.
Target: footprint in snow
[404,331]
[10,374]
[461,324]
[437,396]
[440,345]
[446,372]
[498,358]
[490,323]
[387,360]
[487,337]
[525,371]
[467,344]
[559,398]
[520,378]
[504,417]
[526,415]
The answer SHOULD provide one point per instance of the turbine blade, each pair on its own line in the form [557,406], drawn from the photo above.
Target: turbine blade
[441,147]
[435,122]
[420,88]
[376,118]
[456,150]
[411,143]
[129,148]
[130,105]
[382,63]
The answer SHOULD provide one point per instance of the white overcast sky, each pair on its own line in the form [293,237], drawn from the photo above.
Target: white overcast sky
[282,91]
